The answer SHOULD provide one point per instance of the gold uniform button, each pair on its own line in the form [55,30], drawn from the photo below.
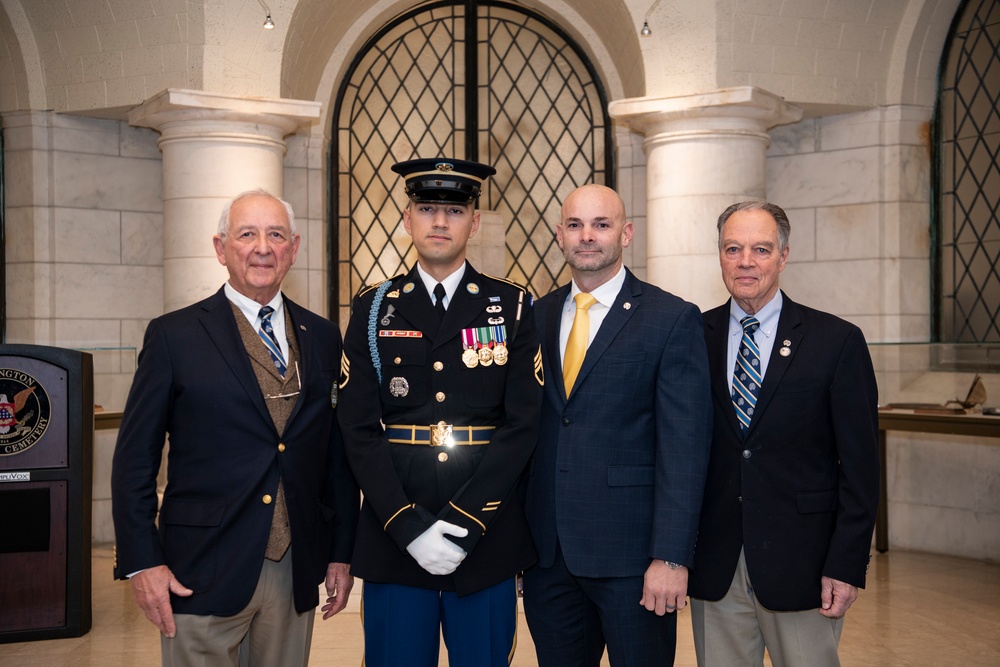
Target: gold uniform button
[439,397]
[266,499]
[442,457]
[397,360]
[438,366]
[281,447]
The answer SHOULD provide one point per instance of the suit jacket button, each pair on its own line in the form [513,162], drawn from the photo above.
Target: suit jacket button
[266,499]
[739,499]
[439,397]
[281,446]
[746,453]
[397,361]
[442,457]
[438,366]
[565,421]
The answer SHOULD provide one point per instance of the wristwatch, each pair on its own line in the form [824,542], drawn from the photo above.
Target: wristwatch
[672,565]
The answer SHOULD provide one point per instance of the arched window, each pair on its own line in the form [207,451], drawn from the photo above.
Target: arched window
[488,81]
[967,178]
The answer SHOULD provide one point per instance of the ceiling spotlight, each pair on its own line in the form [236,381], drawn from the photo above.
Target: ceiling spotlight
[268,23]
[646,32]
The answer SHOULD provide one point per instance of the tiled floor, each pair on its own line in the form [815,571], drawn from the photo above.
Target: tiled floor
[918,610]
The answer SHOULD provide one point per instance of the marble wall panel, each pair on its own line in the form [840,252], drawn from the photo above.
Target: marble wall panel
[907,174]
[139,142]
[800,137]
[312,254]
[913,221]
[104,449]
[26,177]
[102,526]
[825,179]
[851,130]
[142,239]
[943,494]
[843,288]
[132,332]
[105,182]
[21,291]
[27,130]
[19,234]
[87,236]
[93,332]
[848,232]
[81,291]
[802,239]
[915,287]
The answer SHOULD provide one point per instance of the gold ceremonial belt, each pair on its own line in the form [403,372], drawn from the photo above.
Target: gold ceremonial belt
[438,435]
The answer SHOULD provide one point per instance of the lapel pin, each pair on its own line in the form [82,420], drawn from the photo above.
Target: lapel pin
[785,351]
[627,305]
[407,288]
[473,288]
[303,327]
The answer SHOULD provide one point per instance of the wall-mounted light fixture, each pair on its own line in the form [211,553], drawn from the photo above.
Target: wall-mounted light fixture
[646,32]
[269,24]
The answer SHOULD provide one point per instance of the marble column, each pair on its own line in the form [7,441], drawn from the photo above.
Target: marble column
[703,153]
[214,147]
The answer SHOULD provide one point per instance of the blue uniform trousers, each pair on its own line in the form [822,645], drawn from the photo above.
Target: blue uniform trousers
[403,626]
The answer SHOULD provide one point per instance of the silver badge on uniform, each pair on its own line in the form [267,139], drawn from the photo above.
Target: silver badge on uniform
[399,387]
[334,394]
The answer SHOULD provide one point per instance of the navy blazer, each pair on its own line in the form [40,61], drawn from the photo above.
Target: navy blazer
[195,384]
[619,469]
[800,492]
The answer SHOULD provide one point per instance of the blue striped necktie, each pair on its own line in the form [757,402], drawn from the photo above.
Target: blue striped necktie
[267,335]
[746,375]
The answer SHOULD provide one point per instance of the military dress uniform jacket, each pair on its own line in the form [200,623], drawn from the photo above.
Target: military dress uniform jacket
[424,380]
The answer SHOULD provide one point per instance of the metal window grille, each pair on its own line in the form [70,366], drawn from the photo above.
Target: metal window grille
[967,179]
[536,111]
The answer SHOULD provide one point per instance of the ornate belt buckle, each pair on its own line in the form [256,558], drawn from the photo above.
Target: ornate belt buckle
[441,434]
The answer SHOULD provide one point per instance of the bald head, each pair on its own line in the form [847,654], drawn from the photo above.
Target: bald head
[592,234]
[595,197]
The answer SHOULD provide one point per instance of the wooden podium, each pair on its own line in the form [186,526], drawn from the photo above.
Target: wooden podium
[46,452]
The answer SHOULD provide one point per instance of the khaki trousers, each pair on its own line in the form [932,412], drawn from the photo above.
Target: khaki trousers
[734,631]
[266,633]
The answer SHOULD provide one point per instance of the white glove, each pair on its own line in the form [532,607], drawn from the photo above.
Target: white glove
[434,552]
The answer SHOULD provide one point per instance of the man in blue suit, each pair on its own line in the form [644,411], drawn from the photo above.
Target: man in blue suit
[260,506]
[615,488]
[793,482]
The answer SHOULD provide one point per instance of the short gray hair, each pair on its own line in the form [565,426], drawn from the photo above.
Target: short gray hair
[775,211]
[223,230]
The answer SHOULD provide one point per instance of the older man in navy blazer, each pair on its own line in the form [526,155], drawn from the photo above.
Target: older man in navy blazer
[792,487]
[616,484]
[259,506]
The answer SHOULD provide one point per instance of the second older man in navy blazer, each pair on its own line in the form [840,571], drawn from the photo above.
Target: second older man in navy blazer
[615,489]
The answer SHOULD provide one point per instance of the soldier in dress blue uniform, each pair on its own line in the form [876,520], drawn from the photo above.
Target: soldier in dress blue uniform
[440,398]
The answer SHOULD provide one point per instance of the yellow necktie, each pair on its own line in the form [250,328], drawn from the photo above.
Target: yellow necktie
[576,346]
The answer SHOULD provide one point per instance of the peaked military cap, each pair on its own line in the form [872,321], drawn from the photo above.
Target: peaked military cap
[443,180]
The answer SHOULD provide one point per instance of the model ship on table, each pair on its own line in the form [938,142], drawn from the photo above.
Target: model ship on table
[973,402]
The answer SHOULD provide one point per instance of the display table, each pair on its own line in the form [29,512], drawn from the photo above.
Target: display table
[977,425]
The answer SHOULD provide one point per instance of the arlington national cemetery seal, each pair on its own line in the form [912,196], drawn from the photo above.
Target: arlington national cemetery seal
[24,411]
